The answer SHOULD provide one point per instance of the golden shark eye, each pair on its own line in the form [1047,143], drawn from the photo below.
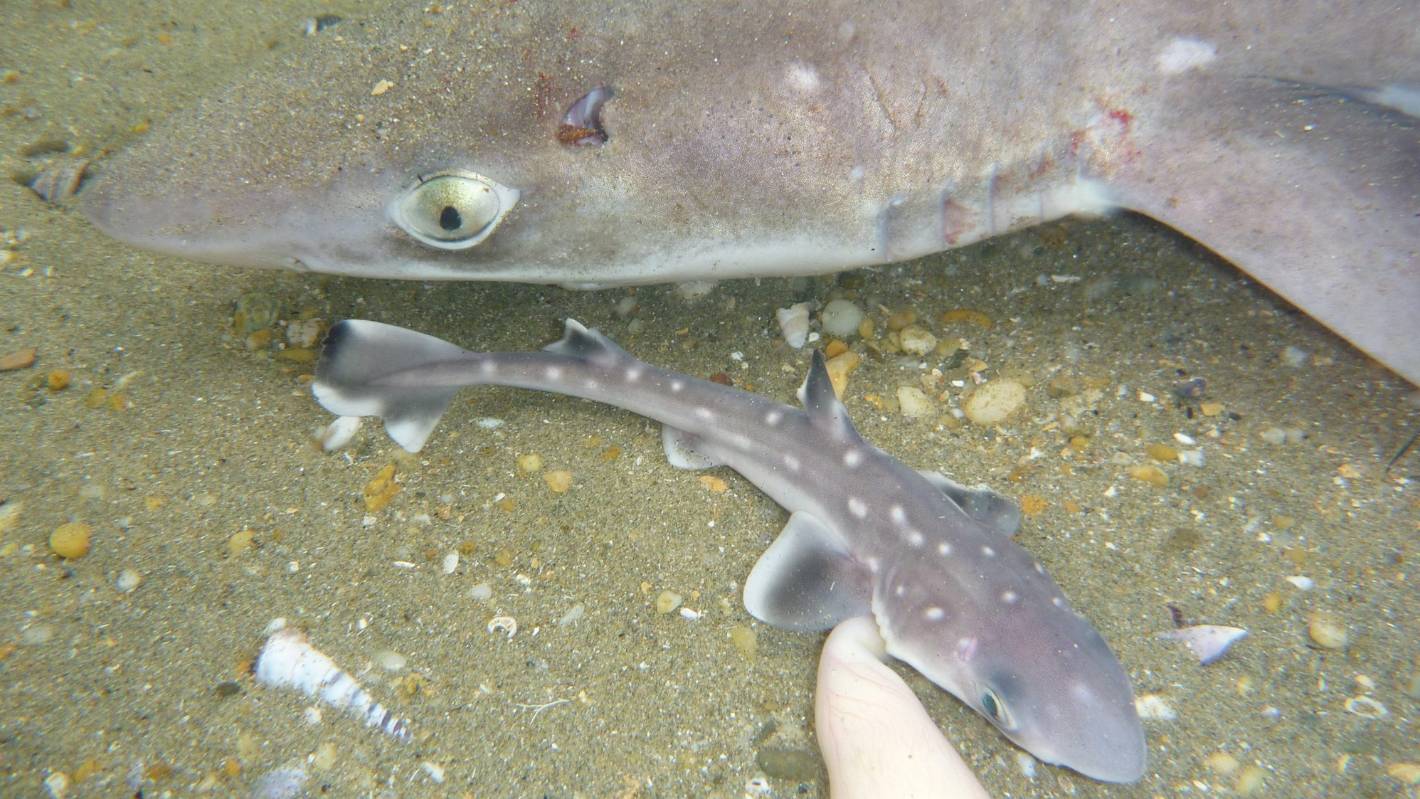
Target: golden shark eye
[452,210]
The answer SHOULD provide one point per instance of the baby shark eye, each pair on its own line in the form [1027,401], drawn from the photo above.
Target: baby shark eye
[452,210]
[993,708]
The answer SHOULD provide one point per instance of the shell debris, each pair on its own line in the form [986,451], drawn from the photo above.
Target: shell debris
[288,660]
[1207,642]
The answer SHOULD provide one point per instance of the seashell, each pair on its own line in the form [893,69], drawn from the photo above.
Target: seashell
[288,660]
[1206,641]
[794,324]
[59,179]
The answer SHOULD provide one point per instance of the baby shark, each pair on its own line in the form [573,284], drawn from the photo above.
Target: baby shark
[930,561]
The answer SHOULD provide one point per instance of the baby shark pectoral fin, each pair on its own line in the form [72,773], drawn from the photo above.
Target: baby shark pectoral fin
[994,510]
[354,378]
[806,581]
[683,449]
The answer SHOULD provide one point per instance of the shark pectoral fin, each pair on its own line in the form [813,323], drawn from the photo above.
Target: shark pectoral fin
[358,355]
[805,581]
[1313,191]
[994,510]
[683,449]
[821,401]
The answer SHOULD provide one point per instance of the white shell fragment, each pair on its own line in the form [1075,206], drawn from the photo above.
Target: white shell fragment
[288,660]
[1207,642]
[338,434]
[794,323]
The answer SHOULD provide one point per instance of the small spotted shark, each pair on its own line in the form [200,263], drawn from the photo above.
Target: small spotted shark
[931,561]
[590,143]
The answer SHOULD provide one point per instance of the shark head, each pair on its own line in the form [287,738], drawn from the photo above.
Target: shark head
[531,143]
[1034,668]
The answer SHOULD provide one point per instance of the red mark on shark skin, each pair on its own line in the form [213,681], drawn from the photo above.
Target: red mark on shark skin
[1107,142]
[957,220]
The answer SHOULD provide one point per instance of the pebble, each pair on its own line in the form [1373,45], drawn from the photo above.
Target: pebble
[381,489]
[839,367]
[240,542]
[914,402]
[1327,630]
[1366,707]
[530,463]
[71,541]
[1152,475]
[451,562]
[1408,773]
[1221,763]
[37,634]
[916,340]
[967,315]
[559,480]
[1154,706]
[127,581]
[667,601]
[1278,436]
[1162,453]
[791,765]
[481,592]
[745,640]
[390,660]
[1295,357]
[841,318]
[338,434]
[57,784]
[993,402]
[283,783]
[323,759]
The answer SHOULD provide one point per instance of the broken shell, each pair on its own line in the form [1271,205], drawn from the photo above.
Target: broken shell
[288,660]
[503,624]
[794,323]
[59,179]
[1366,707]
[1207,642]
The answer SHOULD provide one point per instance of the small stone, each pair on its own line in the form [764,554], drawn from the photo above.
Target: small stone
[914,402]
[127,581]
[917,340]
[71,541]
[1295,357]
[19,359]
[1211,408]
[381,489]
[993,402]
[1250,780]
[967,315]
[450,563]
[1162,453]
[901,319]
[325,756]
[1272,601]
[746,641]
[841,318]
[530,463]
[57,784]
[57,379]
[559,480]
[1327,630]
[839,367]
[1221,763]
[1274,435]
[1152,475]
[790,765]
[668,601]
[390,660]
[380,87]
[240,542]
[1154,706]
[1407,773]
[713,483]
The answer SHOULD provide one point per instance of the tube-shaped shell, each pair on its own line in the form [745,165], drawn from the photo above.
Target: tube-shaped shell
[288,660]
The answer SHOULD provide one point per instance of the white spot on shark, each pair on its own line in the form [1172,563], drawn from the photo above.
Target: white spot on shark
[1039,569]
[1009,597]
[791,463]
[489,367]
[704,413]
[900,590]
[1183,54]
[773,418]
[914,538]
[802,78]
[966,649]
[874,564]
[553,373]
[591,385]
[897,515]
[988,552]
[677,385]
[633,374]
[857,507]
[934,613]
[852,458]
[944,548]
[1058,602]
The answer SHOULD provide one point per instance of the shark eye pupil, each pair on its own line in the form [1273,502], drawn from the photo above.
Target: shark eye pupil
[452,210]
[450,219]
[990,706]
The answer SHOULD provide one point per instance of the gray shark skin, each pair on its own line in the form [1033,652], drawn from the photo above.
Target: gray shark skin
[930,561]
[595,144]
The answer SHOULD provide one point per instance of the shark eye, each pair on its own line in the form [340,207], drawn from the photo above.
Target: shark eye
[452,210]
[993,708]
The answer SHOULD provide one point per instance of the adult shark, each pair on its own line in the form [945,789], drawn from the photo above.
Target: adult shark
[594,144]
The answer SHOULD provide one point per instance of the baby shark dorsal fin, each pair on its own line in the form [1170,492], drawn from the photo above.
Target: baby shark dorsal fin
[584,343]
[994,510]
[807,581]
[821,401]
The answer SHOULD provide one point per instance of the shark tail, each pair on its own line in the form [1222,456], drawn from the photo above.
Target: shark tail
[360,370]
